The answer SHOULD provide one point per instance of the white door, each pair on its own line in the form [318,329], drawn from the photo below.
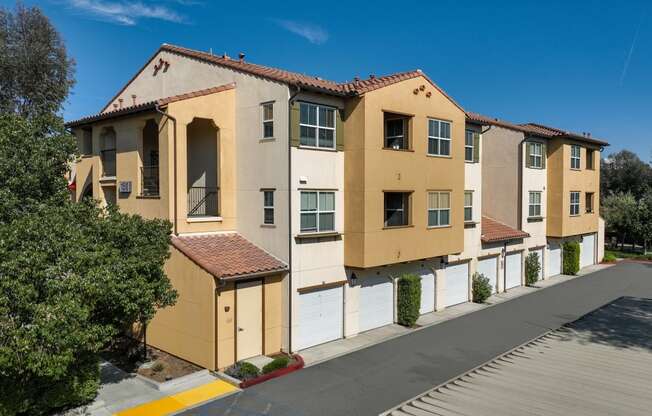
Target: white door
[320,317]
[376,306]
[587,250]
[457,284]
[249,319]
[513,270]
[540,255]
[489,268]
[554,259]
[427,291]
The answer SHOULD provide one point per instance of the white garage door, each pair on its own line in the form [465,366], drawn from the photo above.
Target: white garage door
[554,259]
[427,291]
[320,317]
[587,250]
[513,270]
[489,268]
[540,254]
[376,302]
[457,284]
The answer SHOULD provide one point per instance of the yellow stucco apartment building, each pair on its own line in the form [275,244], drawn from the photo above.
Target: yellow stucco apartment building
[297,202]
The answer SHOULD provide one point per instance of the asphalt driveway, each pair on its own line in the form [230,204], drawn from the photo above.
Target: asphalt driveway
[369,381]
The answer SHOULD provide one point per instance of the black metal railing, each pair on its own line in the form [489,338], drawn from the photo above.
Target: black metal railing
[108,162]
[149,183]
[203,201]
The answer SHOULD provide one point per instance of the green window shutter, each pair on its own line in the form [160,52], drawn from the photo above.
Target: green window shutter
[476,147]
[544,155]
[339,129]
[294,124]
[528,150]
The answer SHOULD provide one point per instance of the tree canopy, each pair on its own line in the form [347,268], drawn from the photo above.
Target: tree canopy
[625,172]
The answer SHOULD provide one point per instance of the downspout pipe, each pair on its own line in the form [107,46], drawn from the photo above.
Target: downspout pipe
[289,270]
[174,180]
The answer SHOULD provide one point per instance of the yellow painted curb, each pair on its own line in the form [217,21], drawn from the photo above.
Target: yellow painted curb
[180,401]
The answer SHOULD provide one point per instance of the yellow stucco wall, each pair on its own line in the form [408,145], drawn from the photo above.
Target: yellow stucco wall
[187,329]
[273,314]
[562,180]
[370,170]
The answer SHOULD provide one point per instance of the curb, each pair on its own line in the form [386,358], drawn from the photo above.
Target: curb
[298,365]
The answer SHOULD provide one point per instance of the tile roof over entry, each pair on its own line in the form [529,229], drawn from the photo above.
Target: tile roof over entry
[227,256]
[493,231]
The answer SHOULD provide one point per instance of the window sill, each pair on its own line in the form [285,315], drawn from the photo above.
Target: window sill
[320,234]
[534,219]
[439,156]
[576,169]
[471,162]
[590,212]
[437,227]
[395,227]
[574,215]
[148,196]
[323,149]
[468,224]
[398,150]
[267,139]
[267,225]
[204,219]
[535,167]
[88,156]
[108,180]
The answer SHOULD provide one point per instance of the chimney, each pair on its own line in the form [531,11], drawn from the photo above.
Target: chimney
[133,99]
[241,57]
[120,100]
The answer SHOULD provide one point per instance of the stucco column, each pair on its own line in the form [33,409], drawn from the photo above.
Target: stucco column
[440,286]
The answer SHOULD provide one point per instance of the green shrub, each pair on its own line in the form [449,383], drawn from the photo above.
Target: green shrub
[481,288]
[276,364]
[571,256]
[243,370]
[409,299]
[609,257]
[532,268]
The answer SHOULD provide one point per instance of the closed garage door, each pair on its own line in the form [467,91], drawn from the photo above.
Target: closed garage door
[427,291]
[376,302]
[489,268]
[320,317]
[457,284]
[587,251]
[513,270]
[540,255]
[554,259]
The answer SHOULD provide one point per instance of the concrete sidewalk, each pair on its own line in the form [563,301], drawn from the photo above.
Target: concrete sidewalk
[334,349]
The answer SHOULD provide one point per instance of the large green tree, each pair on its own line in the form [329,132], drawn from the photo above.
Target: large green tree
[625,172]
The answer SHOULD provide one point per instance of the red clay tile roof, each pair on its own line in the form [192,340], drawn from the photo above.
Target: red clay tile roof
[555,132]
[149,105]
[493,231]
[227,256]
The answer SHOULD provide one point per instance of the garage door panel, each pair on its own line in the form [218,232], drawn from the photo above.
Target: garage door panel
[427,291]
[513,270]
[587,250]
[489,268]
[376,302]
[554,259]
[457,284]
[320,317]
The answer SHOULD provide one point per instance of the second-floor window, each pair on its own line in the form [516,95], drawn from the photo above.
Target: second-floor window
[317,126]
[590,155]
[575,156]
[534,207]
[439,138]
[396,132]
[268,120]
[397,209]
[268,207]
[439,209]
[468,206]
[535,156]
[317,211]
[574,203]
[589,202]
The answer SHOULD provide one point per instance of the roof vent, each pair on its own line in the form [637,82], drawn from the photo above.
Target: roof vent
[133,99]
[225,56]
[241,57]
[372,76]
[120,100]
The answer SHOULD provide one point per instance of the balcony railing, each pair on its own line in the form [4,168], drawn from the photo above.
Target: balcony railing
[203,202]
[108,162]
[149,182]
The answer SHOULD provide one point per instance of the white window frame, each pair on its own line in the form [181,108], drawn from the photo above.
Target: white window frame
[439,209]
[439,138]
[267,207]
[405,145]
[534,155]
[534,206]
[468,206]
[576,205]
[576,159]
[317,127]
[468,134]
[265,121]
[317,212]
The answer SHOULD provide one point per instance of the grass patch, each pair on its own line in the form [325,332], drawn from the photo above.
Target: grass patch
[627,255]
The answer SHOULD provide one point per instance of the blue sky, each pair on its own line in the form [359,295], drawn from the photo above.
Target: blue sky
[578,65]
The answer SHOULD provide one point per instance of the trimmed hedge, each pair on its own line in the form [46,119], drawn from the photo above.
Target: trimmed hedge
[243,370]
[532,268]
[571,257]
[276,364]
[409,299]
[481,287]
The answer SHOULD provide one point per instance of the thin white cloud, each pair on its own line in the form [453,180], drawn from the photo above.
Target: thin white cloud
[623,74]
[313,33]
[125,13]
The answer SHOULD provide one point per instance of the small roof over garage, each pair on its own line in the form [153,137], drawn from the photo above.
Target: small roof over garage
[494,231]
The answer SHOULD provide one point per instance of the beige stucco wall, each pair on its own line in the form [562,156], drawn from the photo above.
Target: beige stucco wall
[187,329]
[375,170]
[533,179]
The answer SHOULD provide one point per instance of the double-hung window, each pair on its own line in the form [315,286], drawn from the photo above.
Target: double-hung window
[316,126]
[268,207]
[534,207]
[396,129]
[574,203]
[535,156]
[575,156]
[468,206]
[268,120]
[439,209]
[439,138]
[468,146]
[317,211]
[397,209]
